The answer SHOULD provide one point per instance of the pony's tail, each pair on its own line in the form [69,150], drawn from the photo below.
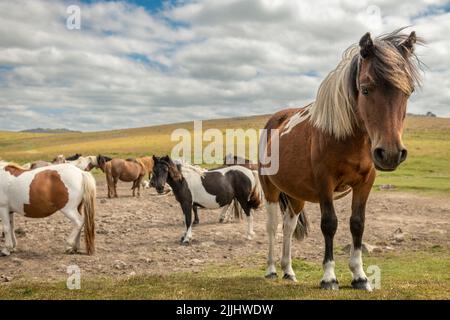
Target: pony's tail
[89,194]
[302,228]
[256,196]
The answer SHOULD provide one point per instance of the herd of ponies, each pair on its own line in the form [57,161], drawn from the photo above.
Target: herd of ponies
[327,149]
[42,188]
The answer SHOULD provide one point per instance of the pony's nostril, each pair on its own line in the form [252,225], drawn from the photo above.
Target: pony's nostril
[379,154]
[403,155]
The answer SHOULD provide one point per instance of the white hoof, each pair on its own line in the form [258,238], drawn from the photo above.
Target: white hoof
[5,252]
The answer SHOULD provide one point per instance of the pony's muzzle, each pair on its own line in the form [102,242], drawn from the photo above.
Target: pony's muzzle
[389,160]
[159,189]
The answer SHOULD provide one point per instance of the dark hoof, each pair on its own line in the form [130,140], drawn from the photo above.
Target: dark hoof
[290,277]
[196,221]
[272,275]
[329,285]
[361,284]
[221,220]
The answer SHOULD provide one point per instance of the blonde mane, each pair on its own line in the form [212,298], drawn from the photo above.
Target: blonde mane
[333,111]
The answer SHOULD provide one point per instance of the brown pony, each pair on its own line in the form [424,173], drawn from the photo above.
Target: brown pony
[130,170]
[336,143]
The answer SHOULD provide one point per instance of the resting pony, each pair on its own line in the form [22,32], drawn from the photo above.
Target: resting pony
[336,143]
[42,192]
[196,188]
[130,170]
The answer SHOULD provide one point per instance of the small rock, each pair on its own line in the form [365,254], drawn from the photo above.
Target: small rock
[132,273]
[196,261]
[119,265]
[368,248]
[17,260]
[347,248]
[20,232]
[399,236]
[207,244]
[103,201]
[5,278]
[387,187]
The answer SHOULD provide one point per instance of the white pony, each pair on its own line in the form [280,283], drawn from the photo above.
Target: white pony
[40,193]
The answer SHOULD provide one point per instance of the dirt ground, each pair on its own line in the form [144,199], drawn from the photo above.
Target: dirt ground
[141,236]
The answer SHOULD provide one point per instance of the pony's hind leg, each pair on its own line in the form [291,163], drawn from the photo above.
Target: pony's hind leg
[74,237]
[7,230]
[196,219]
[290,218]
[250,231]
[224,215]
[115,181]
[13,234]
[271,227]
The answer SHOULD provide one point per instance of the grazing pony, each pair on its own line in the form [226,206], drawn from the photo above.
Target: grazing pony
[196,188]
[130,170]
[42,192]
[336,143]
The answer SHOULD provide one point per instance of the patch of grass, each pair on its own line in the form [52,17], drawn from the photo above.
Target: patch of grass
[404,275]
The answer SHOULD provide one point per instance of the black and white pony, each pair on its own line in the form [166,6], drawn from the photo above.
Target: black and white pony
[195,188]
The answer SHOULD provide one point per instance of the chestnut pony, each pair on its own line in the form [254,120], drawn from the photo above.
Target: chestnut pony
[336,143]
[130,170]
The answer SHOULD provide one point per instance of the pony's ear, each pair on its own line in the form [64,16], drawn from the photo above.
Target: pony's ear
[155,158]
[408,44]
[366,46]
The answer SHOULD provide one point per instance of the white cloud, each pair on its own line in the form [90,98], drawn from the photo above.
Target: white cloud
[127,67]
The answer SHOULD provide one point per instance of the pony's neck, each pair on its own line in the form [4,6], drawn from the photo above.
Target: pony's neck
[178,186]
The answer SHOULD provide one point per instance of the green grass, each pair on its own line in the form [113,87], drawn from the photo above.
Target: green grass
[404,275]
[427,168]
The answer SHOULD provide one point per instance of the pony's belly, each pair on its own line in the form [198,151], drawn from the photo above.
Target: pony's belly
[206,200]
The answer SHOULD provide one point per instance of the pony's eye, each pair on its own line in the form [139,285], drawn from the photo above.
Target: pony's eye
[365,91]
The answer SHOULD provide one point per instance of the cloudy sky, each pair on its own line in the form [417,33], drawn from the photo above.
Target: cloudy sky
[138,63]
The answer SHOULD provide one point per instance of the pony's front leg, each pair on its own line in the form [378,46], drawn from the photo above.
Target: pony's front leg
[328,224]
[360,195]
[9,246]
[187,210]
[271,227]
